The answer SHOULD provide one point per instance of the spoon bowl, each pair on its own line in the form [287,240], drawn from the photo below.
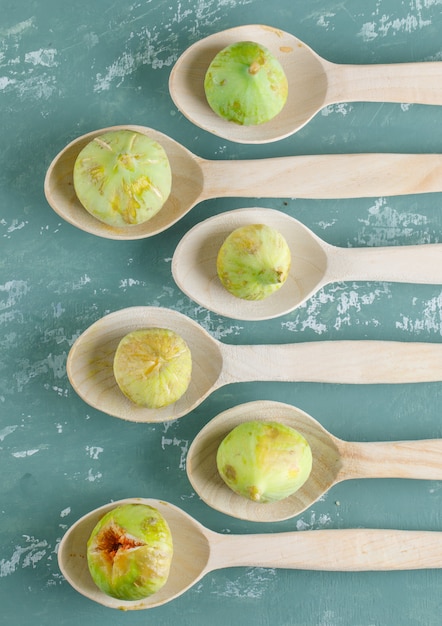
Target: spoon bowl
[90,362]
[214,364]
[305,71]
[194,264]
[195,179]
[334,460]
[191,554]
[315,263]
[313,83]
[198,551]
[187,182]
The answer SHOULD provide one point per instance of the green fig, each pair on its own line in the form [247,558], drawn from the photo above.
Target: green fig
[253,262]
[122,177]
[129,552]
[246,84]
[153,367]
[264,461]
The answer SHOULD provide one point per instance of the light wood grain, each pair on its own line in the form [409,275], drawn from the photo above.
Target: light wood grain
[334,460]
[215,364]
[195,179]
[313,83]
[314,264]
[198,551]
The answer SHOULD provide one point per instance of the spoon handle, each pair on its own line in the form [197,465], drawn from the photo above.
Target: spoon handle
[324,176]
[403,264]
[398,459]
[333,550]
[347,362]
[415,83]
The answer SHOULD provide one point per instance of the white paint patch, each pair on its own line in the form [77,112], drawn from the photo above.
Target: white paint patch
[28,555]
[429,319]
[158,47]
[183,444]
[251,584]
[341,305]
[410,17]
[92,477]
[324,20]
[314,522]
[18,29]
[44,57]
[25,453]
[8,430]
[14,291]
[384,224]
[341,108]
[94,451]
[126,283]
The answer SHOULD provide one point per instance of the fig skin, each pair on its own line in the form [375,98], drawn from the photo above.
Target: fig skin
[122,177]
[264,461]
[129,552]
[153,367]
[253,262]
[246,84]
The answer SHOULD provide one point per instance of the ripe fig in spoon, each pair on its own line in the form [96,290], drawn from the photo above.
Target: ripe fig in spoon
[264,461]
[153,367]
[253,262]
[129,552]
[246,84]
[122,177]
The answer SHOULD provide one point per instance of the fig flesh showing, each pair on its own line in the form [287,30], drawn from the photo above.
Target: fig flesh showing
[129,552]
[153,367]
[122,177]
[253,262]
[246,84]
[264,461]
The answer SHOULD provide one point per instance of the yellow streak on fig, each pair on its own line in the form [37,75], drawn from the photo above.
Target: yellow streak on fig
[153,367]
[264,461]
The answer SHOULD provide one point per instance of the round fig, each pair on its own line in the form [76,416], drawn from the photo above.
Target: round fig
[246,84]
[153,367]
[264,461]
[253,262]
[129,552]
[122,177]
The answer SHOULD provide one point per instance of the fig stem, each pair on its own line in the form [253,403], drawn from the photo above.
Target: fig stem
[254,68]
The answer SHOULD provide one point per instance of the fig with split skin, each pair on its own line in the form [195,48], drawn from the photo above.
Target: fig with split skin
[129,552]
[153,367]
[122,177]
[264,461]
[246,84]
[253,261]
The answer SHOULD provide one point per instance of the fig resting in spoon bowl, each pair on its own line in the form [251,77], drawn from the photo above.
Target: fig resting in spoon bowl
[314,264]
[313,83]
[195,179]
[215,364]
[199,551]
[334,461]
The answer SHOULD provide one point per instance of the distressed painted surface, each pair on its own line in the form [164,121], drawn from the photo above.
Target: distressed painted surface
[66,70]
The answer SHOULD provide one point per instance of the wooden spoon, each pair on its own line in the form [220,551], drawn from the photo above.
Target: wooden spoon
[195,179]
[315,264]
[90,362]
[199,551]
[313,83]
[334,460]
